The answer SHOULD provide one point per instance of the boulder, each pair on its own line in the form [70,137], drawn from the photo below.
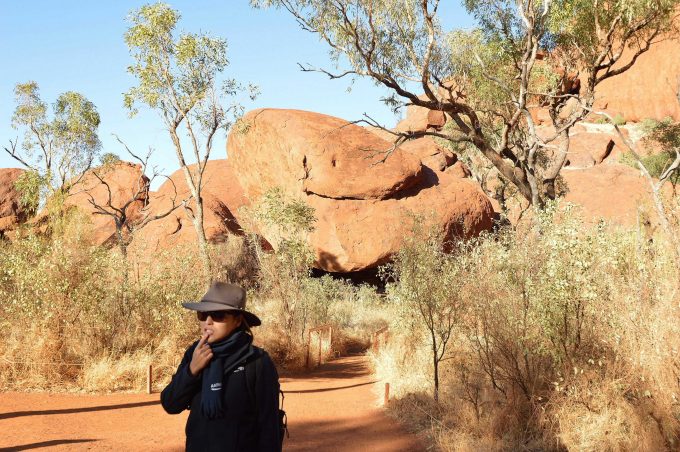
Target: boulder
[589,144]
[613,192]
[353,235]
[125,182]
[11,212]
[649,89]
[222,197]
[364,208]
[430,153]
[317,154]
[589,149]
[419,119]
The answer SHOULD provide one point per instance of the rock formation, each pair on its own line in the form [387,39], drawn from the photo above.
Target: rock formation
[364,206]
[124,182]
[222,197]
[613,192]
[419,119]
[649,89]
[11,212]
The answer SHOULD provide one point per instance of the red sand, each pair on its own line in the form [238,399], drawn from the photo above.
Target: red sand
[331,409]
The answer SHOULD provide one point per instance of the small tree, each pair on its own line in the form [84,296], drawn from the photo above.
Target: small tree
[178,77]
[487,80]
[57,152]
[284,272]
[427,291]
[126,226]
[126,223]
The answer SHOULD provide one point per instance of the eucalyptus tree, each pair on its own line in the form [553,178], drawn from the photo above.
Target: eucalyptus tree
[57,151]
[522,54]
[179,78]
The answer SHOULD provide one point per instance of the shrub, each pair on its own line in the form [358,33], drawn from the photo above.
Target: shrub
[569,339]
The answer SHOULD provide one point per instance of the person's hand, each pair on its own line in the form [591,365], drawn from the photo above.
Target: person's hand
[201,357]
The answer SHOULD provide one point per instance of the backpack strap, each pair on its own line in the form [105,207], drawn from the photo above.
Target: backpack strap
[252,368]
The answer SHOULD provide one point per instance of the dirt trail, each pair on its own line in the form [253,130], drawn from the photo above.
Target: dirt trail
[330,409]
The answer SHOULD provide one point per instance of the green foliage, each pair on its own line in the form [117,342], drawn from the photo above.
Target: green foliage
[566,334]
[57,150]
[619,120]
[67,297]
[665,133]
[109,159]
[179,75]
[289,216]
[31,187]
[656,164]
[401,30]
[575,22]
[426,293]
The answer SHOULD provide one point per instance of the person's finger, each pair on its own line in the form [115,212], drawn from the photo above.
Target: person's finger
[202,340]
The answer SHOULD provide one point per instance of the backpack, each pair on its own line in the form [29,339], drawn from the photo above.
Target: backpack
[253,368]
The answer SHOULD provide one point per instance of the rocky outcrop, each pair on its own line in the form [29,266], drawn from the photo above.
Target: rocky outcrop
[222,197]
[430,153]
[419,119]
[123,183]
[364,200]
[11,212]
[650,89]
[317,154]
[614,192]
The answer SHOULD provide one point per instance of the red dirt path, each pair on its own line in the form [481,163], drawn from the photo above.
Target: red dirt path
[331,409]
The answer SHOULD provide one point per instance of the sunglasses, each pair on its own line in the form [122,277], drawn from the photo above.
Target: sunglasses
[217,316]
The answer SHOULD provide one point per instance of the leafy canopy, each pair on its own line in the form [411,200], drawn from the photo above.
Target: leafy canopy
[177,76]
[57,150]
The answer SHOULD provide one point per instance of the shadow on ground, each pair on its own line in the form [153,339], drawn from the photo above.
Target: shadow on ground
[77,410]
[51,443]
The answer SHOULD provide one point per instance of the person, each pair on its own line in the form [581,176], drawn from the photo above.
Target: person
[232,407]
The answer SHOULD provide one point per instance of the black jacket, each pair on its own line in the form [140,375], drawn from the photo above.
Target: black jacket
[248,425]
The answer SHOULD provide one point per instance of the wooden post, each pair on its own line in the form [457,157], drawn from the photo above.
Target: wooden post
[309,341]
[149,379]
[387,393]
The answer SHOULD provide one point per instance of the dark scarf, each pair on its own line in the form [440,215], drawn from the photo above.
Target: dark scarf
[227,354]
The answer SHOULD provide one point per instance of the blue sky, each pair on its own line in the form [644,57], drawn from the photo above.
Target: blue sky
[70,45]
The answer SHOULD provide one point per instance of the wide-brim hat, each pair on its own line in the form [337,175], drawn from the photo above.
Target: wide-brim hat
[224,297]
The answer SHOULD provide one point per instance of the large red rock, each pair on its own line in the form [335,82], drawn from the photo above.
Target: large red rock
[125,182]
[317,154]
[365,209]
[589,149]
[614,192]
[430,153]
[419,119]
[649,89]
[353,235]
[11,212]
[222,197]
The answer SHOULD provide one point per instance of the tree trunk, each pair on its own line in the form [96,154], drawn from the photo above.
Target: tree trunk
[435,361]
[435,365]
[202,241]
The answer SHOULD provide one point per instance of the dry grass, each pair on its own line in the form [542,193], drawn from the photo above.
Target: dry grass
[71,322]
[569,339]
